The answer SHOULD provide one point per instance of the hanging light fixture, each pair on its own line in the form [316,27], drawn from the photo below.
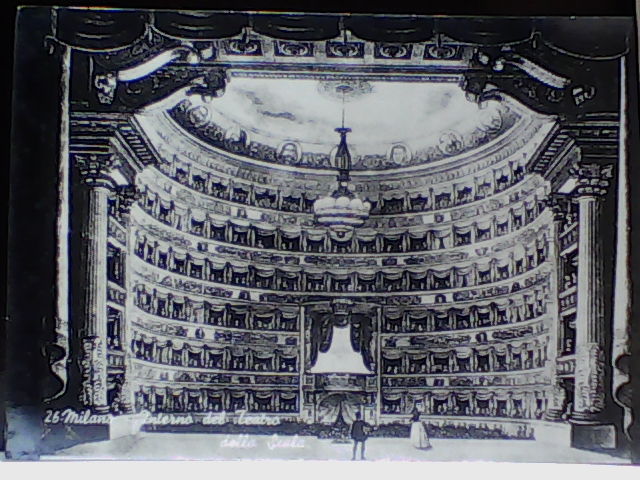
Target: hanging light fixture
[342,210]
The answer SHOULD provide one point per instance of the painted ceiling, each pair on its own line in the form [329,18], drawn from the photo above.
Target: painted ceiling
[393,123]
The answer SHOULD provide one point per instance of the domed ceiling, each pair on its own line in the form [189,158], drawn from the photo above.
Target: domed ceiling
[393,123]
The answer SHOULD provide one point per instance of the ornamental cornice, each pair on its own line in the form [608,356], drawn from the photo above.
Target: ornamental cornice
[592,179]
[96,169]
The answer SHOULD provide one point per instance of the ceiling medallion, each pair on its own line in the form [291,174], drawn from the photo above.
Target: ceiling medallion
[346,90]
[342,211]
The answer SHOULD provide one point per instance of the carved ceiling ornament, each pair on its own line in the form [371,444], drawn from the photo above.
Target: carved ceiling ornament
[591,179]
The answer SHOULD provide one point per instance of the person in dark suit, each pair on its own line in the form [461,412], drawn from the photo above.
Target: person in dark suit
[359,433]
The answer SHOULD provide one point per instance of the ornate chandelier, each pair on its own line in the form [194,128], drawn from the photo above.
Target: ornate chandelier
[342,211]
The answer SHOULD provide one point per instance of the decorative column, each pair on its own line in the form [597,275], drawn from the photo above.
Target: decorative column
[592,182]
[558,395]
[95,172]
[126,196]
[379,365]
[621,347]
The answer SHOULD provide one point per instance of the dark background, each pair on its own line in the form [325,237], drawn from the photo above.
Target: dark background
[32,143]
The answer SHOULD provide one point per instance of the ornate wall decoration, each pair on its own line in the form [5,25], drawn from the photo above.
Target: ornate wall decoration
[252,47]
[293,49]
[442,52]
[393,51]
[116,296]
[345,49]
[94,390]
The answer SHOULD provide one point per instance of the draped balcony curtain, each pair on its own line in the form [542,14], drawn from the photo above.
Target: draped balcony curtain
[178,299]
[218,222]
[417,195]
[367,275]
[518,210]
[292,194]
[502,218]
[392,397]
[503,262]
[161,295]
[393,236]
[216,308]
[484,224]
[263,355]
[441,275]
[418,357]
[316,235]
[418,315]
[391,355]
[462,230]
[418,235]
[288,395]
[289,313]
[393,195]
[366,235]
[484,396]
[263,191]
[392,275]
[220,182]
[198,215]
[483,309]
[464,396]
[238,268]
[440,395]
[264,271]
[197,260]
[439,189]
[501,396]
[502,303]
[391,313]
[500,349]
[179,254]
[441,355]
[440,233]
[339,275]
[165,203]
[464,353]
[290,232]
[464,270]
[217,264]
[240,226]
[239,310]
[460,188]
[418,274]
[314,275]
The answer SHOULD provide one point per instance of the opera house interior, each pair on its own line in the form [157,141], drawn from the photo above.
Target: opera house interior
[307,217]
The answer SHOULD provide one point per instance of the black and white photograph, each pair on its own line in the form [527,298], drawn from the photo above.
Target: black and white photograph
[298,236]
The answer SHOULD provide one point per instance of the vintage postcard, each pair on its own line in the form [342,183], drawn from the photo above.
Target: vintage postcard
[245,235]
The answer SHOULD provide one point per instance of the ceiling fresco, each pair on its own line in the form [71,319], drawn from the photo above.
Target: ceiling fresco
[393,123]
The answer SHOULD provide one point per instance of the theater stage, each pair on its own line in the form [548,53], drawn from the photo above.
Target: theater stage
[163,446]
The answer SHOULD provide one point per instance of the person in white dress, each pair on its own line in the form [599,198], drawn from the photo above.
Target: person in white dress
[419,437]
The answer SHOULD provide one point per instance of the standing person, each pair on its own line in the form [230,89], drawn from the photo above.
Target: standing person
[419,438]
[359,433]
